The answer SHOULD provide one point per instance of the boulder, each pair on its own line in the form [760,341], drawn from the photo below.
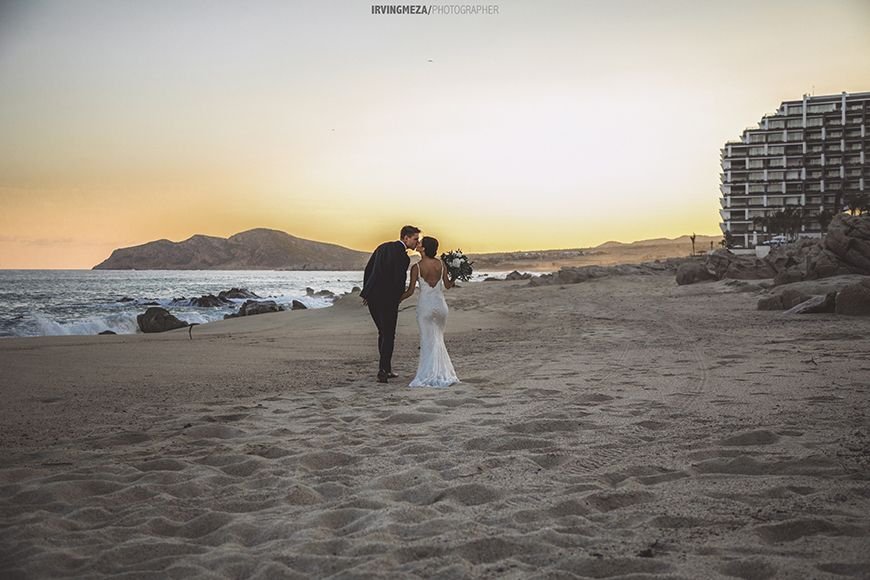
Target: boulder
[208,301]
[845,249]
[108,332]
[237,293]
[815,305]
[848,238]
[788,276]
[854,300]
[693,272]
[296,305]
[515,275]
[253,307]
[355,290]
[773,302]
[724,264]
[791,298]
[156,319]
[126,299]
[325,294]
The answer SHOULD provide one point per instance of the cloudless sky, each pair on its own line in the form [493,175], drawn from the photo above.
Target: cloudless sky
[549,125]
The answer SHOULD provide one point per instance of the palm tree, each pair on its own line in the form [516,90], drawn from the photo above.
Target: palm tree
[824,218]
[692,237]
[777,223]
[857,203]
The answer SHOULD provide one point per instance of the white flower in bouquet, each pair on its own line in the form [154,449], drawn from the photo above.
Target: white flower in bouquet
[458,265]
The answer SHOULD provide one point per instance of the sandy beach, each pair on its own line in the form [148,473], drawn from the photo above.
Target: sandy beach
[622,427]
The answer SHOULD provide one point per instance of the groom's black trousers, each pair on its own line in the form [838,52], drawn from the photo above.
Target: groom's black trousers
[385,315]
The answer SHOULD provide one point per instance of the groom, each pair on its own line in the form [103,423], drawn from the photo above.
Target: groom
[383,285]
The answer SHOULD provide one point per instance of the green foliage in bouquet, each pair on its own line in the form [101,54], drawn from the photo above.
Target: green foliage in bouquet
[458,265]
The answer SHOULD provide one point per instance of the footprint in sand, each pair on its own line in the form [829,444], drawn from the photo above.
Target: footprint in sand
[609,501]
[409,418]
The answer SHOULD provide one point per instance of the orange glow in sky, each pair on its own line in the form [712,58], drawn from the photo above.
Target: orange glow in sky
[549,125]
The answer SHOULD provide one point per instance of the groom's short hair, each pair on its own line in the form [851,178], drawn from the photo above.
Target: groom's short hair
[408,231]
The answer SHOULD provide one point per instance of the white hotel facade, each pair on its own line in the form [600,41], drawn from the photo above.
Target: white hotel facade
[811,153]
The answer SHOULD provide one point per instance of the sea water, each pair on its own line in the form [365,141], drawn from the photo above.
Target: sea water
[63,302]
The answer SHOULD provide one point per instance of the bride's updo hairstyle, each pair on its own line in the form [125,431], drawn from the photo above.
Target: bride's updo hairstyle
[430,246]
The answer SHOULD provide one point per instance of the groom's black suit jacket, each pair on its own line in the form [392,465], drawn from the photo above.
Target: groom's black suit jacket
[384,278]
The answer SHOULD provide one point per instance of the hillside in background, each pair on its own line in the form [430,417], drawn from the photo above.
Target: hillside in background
[257,249]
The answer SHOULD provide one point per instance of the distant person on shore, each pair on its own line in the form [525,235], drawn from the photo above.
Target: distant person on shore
[383,286]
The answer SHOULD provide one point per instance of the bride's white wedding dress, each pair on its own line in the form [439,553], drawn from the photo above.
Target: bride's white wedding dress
[434,368]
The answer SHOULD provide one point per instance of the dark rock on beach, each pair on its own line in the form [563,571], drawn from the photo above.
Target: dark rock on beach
[724,264]
[157,319]
[693,272]
[296,305]
[839,294]
[576,275]
[815,305]
[252,307]
[849,239]
[854,300]
[209,301]
[845,249]
[237,293]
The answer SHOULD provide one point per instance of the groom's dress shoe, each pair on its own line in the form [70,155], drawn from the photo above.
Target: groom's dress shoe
[382,377]
[392,375]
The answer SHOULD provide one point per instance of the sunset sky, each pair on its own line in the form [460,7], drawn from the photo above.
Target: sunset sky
[549,125]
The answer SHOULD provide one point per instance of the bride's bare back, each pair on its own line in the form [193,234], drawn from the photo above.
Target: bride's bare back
[431,269]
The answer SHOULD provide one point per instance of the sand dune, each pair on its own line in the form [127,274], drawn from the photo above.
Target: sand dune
[619,428]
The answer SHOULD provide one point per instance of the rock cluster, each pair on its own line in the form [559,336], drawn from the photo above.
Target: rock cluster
[223,298]
[852,299]
[575,275]
[845,249]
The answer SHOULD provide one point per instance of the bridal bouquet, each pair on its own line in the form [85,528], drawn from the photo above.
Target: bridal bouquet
[458,266]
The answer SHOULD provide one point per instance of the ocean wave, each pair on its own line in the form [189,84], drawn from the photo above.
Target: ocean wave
[43,325]
[124,322]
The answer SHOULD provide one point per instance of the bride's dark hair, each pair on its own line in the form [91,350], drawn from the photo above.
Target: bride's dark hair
[430,246]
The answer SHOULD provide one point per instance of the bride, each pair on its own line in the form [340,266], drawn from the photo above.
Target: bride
[434,368]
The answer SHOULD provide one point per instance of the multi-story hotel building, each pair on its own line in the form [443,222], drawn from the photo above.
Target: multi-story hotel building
[810,154]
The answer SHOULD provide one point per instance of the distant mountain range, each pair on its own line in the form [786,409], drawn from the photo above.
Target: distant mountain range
[607,253]
[266,249]
[257,249]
